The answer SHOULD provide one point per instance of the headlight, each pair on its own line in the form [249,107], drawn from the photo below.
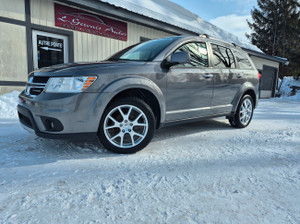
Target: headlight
[69,84]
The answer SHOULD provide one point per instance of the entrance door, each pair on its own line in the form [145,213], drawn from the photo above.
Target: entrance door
[49,49]
[267,82]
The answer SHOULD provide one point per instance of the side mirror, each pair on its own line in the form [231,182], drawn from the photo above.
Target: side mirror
[179,58]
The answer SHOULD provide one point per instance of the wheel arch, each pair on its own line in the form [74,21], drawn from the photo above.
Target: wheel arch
[140,87]
[246,89]
[145,95]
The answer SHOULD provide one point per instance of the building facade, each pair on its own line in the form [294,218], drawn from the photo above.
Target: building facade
[40,33]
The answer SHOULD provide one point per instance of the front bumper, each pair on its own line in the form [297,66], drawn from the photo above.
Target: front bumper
[26,119]
[64,116]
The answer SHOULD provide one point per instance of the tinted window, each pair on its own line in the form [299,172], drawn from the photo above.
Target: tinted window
[198,54]
[146,51]
[242,59]
[222,57]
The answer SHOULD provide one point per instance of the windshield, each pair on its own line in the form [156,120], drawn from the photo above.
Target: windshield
[146,51]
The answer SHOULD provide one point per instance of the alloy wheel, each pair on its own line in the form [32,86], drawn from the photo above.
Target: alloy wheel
[125,126]
[246,111]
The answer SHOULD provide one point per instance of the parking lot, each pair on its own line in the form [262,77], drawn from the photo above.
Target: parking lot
[205,172]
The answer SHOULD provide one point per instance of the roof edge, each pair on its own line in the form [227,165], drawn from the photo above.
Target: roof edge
[120,13]
[266,56]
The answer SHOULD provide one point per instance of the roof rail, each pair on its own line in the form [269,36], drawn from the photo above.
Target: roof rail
[213,38]
[204,35]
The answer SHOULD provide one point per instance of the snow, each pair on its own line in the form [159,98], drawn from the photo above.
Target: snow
[284,59]
[204,172]
[8,105]
[286,90]
[165,10]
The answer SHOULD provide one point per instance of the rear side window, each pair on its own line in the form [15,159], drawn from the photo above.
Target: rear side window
[198,54]
[242,59]
[222,57]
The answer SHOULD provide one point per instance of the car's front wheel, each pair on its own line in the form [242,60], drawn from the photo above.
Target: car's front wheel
[243,114]
[127,126]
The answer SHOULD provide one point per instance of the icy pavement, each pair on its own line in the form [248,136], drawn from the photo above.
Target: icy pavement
[205,172]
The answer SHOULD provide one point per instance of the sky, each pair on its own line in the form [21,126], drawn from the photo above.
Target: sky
[230,15]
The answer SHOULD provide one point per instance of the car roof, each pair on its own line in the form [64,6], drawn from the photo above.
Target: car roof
[206,38]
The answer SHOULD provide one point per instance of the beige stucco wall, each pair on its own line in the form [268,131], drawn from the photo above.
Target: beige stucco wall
[89,47]
[259,62]
[8,89]
[13,56]
[13,9]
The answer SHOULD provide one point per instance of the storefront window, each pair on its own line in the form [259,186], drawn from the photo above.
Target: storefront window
[49,49]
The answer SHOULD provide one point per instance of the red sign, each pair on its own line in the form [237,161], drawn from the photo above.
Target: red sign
[79,20]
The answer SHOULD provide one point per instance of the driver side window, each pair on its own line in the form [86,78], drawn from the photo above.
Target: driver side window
[198,54]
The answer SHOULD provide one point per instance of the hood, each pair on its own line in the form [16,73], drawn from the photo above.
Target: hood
[72,67]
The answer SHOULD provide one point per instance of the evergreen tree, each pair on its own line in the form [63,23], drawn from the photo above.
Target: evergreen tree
[276,31]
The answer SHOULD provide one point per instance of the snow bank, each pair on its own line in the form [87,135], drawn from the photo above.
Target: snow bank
[286,90]
[8,105]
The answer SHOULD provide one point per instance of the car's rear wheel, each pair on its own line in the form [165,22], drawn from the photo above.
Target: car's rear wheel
[127,126]
[243,114]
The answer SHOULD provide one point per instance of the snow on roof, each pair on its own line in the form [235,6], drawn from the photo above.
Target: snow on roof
[164,10]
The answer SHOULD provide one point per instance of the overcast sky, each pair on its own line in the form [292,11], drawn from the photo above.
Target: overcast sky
[230,15]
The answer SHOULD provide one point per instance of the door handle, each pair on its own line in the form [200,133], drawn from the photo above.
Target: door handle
[207,76]
[239,76]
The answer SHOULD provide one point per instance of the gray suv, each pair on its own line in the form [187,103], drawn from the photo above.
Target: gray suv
[142,88]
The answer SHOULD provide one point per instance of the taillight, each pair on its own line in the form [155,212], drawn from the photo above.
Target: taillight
[259,76]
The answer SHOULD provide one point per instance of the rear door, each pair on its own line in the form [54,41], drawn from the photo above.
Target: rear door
[227,81]
[190,86]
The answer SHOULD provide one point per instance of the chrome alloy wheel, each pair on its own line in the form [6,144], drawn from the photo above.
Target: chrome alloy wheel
[246,111]
[125,126]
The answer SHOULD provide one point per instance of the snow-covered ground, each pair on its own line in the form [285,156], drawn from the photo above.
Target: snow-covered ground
[205,172]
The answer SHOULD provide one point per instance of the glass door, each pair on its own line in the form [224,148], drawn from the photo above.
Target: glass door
[49,49]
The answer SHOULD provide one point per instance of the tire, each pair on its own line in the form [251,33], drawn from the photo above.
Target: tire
[127,126]
[243,114]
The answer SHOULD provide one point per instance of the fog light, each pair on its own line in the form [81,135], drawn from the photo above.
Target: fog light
[52,124]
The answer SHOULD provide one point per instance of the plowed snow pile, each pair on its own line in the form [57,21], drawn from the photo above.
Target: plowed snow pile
[204,172]
[8,105]
[286,90]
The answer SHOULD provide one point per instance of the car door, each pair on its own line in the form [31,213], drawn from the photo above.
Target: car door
[227,81]
[190,86]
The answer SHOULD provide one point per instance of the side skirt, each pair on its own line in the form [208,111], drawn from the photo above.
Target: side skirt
[190,120]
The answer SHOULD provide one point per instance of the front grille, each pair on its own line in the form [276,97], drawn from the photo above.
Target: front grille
[36,91]
[25,120]
[36,85]
[40,79]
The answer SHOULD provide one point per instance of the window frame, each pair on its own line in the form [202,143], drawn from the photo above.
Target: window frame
[188,42]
